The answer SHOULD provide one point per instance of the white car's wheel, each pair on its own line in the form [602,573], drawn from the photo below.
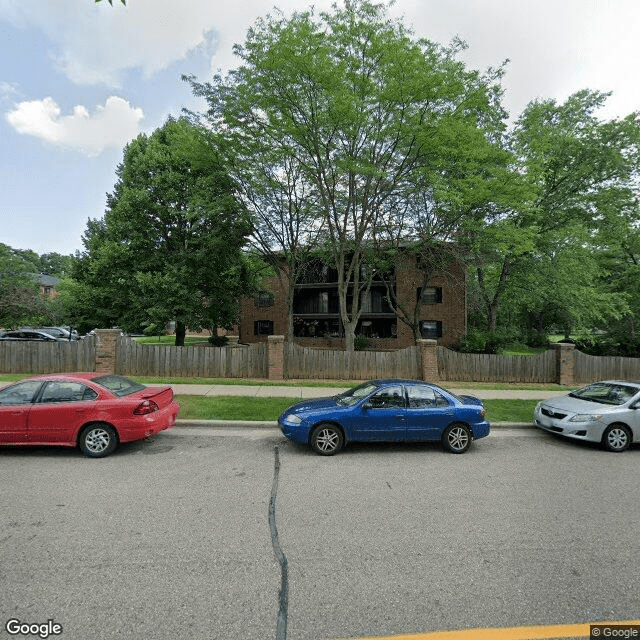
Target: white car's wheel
[616,438]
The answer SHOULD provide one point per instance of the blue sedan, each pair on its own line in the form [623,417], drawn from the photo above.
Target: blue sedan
[384,411]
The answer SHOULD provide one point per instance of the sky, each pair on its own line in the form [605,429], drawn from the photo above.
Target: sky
[79,80]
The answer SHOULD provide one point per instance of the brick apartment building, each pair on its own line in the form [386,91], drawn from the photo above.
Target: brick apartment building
[317,316]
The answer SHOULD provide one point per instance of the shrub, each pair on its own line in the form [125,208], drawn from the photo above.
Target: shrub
[360,343]
[218,341]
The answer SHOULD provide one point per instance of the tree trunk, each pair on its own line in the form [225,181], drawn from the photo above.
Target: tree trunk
[181,332]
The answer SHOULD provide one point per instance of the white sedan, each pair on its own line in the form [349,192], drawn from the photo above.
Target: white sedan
[607,412]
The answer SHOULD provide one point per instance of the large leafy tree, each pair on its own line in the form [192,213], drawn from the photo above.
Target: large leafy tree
[170,246]
[20,299]
[579,169]
[362,110]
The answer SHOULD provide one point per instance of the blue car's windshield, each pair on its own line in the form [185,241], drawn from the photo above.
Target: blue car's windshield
[352,396]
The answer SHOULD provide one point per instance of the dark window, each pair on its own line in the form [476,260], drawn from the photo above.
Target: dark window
[316,327]
[263,328]
[21,393]
[67,392]
[430,329]
[264,300]
[431,295]
[388,398]
[377,328]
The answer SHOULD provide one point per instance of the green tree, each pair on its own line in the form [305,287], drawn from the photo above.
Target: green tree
[364,111]
[170,246]
[20,299]
[578,168]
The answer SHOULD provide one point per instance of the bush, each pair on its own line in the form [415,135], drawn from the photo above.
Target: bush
[152,330]
[360,343]
[218,341]
[481,341]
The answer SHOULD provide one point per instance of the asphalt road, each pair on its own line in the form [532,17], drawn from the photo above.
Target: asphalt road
[173,538]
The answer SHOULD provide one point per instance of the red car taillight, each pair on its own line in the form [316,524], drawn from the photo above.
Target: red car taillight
[148,406]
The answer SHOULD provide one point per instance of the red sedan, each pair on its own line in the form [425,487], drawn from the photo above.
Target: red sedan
[92,411]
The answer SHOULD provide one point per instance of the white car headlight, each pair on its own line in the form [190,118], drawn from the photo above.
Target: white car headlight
[585,417]
[294,419]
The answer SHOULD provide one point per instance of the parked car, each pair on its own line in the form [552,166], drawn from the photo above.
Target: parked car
[387,410]
[60,332]
[92,411]
[28,334]
[607,412]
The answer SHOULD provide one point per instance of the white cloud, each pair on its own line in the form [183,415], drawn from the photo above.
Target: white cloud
[110,126]
[95,44]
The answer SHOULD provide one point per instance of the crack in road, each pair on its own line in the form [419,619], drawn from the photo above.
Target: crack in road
[284,571]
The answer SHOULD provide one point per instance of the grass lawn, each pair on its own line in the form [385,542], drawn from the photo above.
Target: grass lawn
[169,341]
[268,409]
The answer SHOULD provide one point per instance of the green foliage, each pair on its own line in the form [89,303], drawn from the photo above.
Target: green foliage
[218,341]
[170,246]
[360,116]
[360,343]
[20,299]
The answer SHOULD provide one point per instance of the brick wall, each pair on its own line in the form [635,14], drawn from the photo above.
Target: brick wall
[451,312]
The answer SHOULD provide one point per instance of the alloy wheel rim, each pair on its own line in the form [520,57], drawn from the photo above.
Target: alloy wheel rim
[327,440]
[617,438]
[458,438]
[97,440]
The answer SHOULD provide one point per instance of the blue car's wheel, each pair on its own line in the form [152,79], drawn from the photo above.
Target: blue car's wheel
[326,439]
[457,437]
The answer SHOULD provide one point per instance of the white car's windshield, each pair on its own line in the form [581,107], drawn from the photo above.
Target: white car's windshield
[607,393]
[352,396]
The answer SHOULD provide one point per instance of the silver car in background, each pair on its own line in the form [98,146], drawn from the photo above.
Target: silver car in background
[607,412]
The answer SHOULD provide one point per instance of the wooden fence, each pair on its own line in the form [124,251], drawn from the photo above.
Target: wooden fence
[479,367]
[134,359]
[47,357]
[305,362]
[300,362]
[589,368]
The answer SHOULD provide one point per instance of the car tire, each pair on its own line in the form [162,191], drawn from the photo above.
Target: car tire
[616,438]
[326,439]
[98,440]
[457,437]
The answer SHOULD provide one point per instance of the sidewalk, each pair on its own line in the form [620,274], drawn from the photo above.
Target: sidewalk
[269,391]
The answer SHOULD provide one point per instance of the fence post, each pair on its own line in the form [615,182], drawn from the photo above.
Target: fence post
[106,345]
[275,357]
[565,356]
[429,359]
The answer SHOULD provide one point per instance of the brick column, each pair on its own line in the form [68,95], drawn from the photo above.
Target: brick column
[564,361]
[275,357]
[106,345]
[429,360]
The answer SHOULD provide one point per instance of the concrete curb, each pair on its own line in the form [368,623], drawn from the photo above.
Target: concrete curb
[258,424]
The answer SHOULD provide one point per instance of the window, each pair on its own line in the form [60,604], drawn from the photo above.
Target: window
[67,392]
[430,329]
[388,398]
[21,393]
[378,328]
[430,295]
[263,328]
[423,397]
[264,300]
